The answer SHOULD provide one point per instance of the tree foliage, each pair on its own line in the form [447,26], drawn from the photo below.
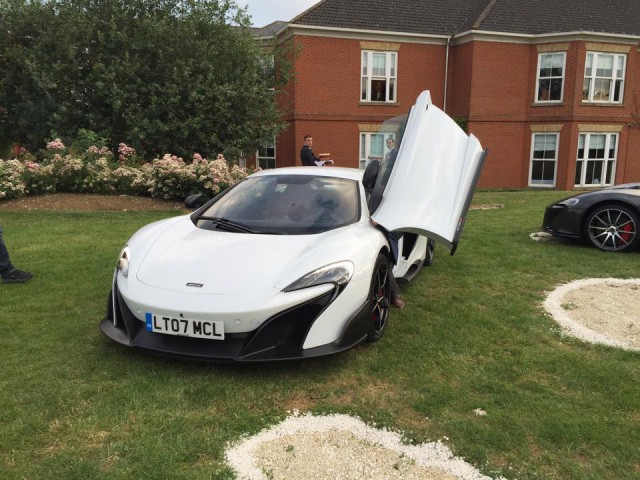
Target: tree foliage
[178,76]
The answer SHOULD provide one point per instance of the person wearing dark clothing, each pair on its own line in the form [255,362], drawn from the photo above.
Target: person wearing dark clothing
[393,151]
[307,157]
[9,273]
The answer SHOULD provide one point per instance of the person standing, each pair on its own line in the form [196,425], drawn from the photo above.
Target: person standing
[393,151]
[307,157]
[9,273]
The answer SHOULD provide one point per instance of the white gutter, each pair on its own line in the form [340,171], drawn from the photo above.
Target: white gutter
[469,35]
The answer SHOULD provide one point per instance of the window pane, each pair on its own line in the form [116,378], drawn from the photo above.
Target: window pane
[377,146]
[601,89]
[578,179]
[605,66]
[378,90]
[620,66]
[617,91]
[556,89]
[392,61]
[594,173]
[544,146]
[596,146]
[581,140]
[364,63]
[586,86]
[544,89]
[612,146]
[609,179]
[557,64]
[378,65]
[588,65]
[392,90]
[545,65]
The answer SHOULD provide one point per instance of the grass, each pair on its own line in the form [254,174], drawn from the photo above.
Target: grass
[74,405]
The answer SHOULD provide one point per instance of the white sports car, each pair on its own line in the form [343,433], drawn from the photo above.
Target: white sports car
[288,263]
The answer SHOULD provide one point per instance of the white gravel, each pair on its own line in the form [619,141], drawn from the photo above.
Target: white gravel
[599,310]
[341,447]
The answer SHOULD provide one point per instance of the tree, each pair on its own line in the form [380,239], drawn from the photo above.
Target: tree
[178,76]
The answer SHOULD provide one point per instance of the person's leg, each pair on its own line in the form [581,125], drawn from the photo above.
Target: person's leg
[5,264]
[394,291]
[8,272]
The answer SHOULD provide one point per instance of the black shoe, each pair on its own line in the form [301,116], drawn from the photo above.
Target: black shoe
[17,276]
[397,302]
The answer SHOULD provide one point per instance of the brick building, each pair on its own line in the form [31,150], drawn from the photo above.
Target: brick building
[551,87]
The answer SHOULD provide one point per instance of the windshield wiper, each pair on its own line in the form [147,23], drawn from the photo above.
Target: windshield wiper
[229,225]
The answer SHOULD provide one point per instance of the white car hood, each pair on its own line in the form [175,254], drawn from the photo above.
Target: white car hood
[434,176]
[193,260]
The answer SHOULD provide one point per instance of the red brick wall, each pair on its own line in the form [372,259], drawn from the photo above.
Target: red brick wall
[327,95]
[490,84]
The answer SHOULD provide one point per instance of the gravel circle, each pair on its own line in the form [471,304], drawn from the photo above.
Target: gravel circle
[599,310]
[341,447]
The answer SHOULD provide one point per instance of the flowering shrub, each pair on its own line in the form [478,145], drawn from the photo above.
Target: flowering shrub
[38,179]
[55,145]
[96,171]
[11,184]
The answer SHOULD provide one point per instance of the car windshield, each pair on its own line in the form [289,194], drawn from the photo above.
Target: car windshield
[285,205]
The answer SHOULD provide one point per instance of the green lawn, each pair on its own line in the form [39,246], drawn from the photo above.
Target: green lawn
[74,405]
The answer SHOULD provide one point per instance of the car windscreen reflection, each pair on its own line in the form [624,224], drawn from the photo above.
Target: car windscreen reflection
[284,205]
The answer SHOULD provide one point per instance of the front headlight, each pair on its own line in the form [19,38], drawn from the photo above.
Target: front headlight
[123,261]
[570,202]
[338,273]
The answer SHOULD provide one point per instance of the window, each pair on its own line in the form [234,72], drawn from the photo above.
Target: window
[550,77]
[373,147]
[603,77]
[266,69]
[596,160]
[266,156]
[378,76]
[544,158]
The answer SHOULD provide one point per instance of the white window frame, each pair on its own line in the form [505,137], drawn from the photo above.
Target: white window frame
[266,157]
[370,76]
[553,58]
[609,161]
[367,140]
[593,90]
[554,159]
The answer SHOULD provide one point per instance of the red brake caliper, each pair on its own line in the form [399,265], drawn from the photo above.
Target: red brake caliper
[627,228]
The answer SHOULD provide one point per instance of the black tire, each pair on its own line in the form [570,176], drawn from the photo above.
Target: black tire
[613,228]
[379,299]
[428,258]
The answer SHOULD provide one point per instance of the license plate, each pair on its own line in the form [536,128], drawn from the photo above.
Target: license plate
[169,325]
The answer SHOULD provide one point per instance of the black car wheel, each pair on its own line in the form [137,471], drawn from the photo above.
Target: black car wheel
[613,228]
[431,247]
[380,299]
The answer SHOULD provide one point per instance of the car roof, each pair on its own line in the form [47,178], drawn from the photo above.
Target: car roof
[340,172]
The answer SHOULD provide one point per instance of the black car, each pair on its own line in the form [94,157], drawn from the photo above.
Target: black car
[607,218]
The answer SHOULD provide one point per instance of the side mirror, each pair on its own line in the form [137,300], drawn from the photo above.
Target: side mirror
[195,201]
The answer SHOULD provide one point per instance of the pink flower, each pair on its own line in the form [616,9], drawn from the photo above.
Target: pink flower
[125,151]
[55,145]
